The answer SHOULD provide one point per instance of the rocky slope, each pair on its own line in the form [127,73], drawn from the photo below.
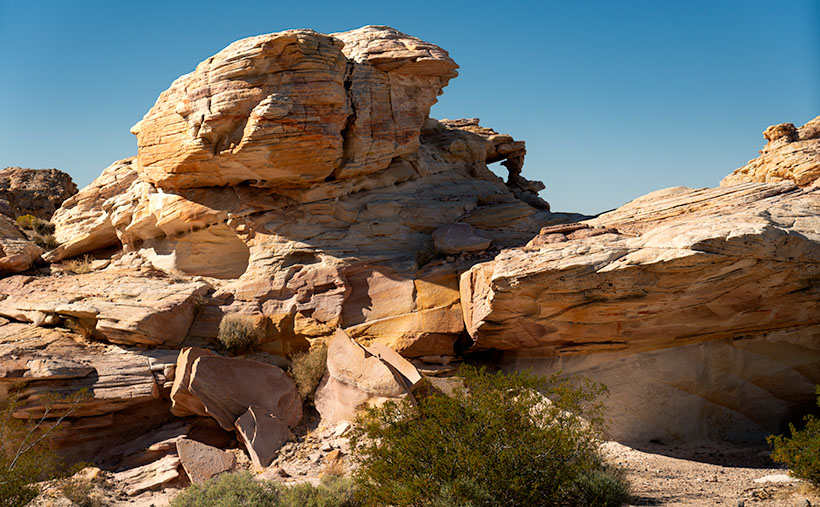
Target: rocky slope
[296,179]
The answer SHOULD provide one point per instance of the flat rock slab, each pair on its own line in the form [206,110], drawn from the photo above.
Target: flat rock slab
[148,477]
[203,462]
[131,307]
[458,237]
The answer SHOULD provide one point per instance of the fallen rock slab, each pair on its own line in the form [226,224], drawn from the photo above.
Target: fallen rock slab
[203,462]
[148,477]
[263,434]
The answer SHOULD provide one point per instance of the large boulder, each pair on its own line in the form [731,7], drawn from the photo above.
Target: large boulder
[17,253]
[293,108]
[724,280]
[359,376]
[224,388]
[312,206]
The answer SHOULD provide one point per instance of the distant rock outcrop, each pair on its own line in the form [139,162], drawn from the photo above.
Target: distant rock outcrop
[37,192]
[791,154]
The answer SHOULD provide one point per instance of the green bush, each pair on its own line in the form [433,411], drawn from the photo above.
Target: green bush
[496,441]
[333,492]
[801,451]
[238,332]
[308,368]
[25,457]
[241,489]
[228,490]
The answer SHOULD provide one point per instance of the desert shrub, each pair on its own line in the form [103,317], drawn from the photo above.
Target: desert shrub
[25,457]
[79,266]
[801,451]
[80,492]
[44,241]
[228,490]
[238,332]
[333,491]
[308,368]
[241,489]
[496,441]
[38,225]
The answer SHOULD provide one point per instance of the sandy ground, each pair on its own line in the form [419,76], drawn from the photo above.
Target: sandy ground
[703,474]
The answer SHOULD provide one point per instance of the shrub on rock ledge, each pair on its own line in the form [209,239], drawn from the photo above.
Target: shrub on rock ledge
[496,441]
[801,451]
[238,332]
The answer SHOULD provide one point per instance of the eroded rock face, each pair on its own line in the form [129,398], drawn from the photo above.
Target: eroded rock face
[735,268]
[293,108]
[791,154]
[37,192]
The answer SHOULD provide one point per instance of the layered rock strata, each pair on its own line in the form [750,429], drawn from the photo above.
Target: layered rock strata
[726,279]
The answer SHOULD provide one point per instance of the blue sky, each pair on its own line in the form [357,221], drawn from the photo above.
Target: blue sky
[614,99]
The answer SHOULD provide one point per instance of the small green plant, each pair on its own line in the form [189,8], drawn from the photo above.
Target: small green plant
[308,368]
[25,457]
[496,441]
[80,492]
[801,451]
[79,266]
[238,332]
[241,489]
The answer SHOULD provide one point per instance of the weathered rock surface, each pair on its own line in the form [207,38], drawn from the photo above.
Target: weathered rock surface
[37,192]
[293,108]
[17,253]
[733,269]
[334,230]
[458,238]
[791,154]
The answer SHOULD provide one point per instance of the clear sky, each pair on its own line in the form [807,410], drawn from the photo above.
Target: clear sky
[615,99]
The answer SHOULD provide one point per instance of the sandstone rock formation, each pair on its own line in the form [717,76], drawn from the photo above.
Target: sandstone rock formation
[726,279]
[296,178]
[37,192]
[791,154]
[322,229]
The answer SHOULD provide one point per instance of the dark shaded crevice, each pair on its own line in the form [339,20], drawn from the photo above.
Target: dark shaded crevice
[347,133]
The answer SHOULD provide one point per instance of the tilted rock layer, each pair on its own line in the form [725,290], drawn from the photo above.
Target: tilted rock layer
[736,269]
